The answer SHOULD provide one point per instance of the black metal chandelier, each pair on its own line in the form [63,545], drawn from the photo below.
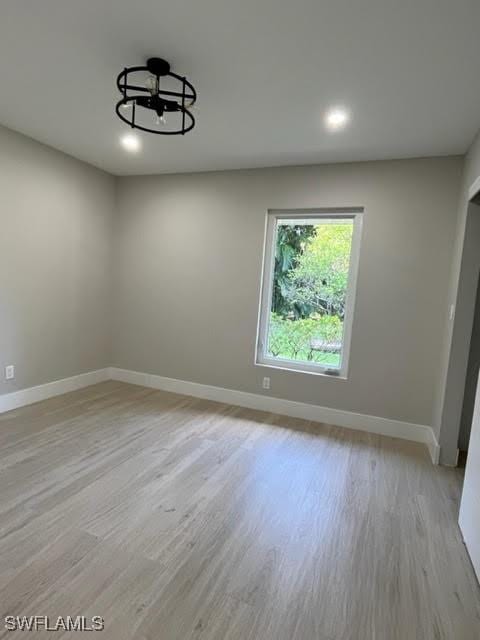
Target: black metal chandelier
[153,92]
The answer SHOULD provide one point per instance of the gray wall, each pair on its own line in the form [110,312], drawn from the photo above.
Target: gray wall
[184,308]
[189,259]
[55,263]
[463,284]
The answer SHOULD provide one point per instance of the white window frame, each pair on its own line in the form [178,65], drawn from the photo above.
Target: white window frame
[273,216]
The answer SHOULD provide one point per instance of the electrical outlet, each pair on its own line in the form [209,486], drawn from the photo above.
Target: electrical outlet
[266,383]
[10,372]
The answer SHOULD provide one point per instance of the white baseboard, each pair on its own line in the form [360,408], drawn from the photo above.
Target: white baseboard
[16,399]
[337,417]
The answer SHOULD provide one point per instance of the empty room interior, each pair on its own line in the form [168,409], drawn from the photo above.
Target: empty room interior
[240,320]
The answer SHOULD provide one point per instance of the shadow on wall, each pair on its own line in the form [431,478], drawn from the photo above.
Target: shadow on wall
[472,378]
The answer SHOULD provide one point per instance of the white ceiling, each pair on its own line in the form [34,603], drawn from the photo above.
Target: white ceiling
[265,72]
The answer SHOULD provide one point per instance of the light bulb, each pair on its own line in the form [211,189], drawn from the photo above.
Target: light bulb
[152,84]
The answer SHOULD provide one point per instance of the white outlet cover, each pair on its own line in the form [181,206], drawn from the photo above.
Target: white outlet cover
[266,383]
[10,372]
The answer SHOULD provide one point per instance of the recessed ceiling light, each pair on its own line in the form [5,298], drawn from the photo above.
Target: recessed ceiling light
[336,118]
[131,142]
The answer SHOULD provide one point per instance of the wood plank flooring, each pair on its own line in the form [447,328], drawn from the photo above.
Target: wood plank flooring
[178,519]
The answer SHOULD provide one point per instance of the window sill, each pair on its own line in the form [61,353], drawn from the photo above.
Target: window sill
[322,373]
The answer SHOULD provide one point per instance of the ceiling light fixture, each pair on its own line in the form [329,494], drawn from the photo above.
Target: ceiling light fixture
[151,99]
[131,142]
[336,118]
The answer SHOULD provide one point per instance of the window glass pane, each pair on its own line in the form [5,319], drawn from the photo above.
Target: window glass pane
[309,290]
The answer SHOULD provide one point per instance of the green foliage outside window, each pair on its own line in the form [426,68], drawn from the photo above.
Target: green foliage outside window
[309,292]
[291,241]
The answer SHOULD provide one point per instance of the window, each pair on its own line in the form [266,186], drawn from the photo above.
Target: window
[308,290]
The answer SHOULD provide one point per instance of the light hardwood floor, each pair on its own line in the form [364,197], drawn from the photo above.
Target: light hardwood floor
[178,519]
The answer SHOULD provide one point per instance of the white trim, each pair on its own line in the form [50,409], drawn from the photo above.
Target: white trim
[9,401]
[351,291]
[272,219]
[337,417]
[326,373]
[474,189]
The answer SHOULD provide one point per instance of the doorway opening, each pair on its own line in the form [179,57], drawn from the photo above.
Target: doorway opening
[462,373]
[473,368]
